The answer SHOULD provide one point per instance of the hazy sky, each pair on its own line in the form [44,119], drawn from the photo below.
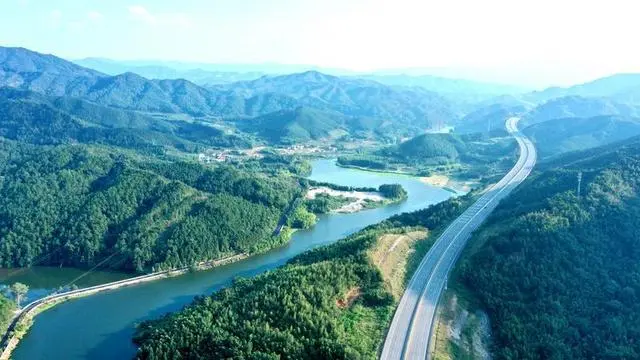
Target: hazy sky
[533,41]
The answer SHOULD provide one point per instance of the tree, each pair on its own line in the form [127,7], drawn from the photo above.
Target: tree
[393,191]
[302,218]
[19,290]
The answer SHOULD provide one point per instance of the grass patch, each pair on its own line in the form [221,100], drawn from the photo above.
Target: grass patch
[391,254]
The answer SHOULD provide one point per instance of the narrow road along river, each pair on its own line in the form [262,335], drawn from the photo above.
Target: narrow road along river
[100,326]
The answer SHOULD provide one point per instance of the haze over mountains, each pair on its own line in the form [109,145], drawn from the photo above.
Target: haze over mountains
[50,75]
[620,87]
[310,105]
[214,74]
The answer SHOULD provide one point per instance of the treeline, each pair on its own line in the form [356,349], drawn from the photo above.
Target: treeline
[85,206]
[558,274]
[309,182]
[392,191]
[368,161]
[299,311]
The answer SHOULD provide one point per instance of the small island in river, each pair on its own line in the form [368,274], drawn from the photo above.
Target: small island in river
[345,201]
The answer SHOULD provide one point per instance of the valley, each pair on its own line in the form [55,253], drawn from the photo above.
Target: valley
[312,214]
[156,298]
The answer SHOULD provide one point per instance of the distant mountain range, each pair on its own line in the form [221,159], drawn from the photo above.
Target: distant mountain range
[410,109]
[468,89]
[310,105]
[416,108]
[160,70]
[109,65]
[50,75]
[624,88]
[580,107]
[565,123]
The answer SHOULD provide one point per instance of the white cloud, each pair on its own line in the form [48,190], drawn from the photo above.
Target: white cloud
[139,12]
[94,16]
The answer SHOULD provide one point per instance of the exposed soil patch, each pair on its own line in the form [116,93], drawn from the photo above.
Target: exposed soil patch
[460,332]
[349,298]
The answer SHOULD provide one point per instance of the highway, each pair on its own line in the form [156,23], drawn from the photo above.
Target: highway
[410,331]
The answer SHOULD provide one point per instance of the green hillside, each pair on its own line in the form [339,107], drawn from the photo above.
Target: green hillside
[445,146]
[85,206]
[555,137]
[464,156]
[328,303]
[33,118]
[578,107]
[300,125]
[559,274]
[412,108]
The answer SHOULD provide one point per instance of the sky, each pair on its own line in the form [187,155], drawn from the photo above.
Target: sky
[529,42]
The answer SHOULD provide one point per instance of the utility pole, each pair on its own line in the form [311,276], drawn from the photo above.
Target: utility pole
[579,183]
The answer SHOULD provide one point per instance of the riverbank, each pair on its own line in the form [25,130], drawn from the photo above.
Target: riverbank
[24,318]
[100,327]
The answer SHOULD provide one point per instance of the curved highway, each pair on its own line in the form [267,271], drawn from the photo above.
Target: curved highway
[410,331]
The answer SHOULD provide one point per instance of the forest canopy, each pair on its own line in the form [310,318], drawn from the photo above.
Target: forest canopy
[82,206]
[559,274]
[295,311]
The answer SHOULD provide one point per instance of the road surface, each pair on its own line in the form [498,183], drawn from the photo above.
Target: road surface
[410,331]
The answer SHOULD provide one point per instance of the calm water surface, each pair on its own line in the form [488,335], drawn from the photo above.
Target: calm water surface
[100,326]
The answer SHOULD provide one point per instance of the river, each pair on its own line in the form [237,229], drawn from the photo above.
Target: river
[101,326]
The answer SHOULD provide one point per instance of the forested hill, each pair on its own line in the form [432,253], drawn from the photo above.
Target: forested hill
[468,156]
[84,206]
[353,97]
[38,119]
[578,107]
[292,126]
[333,302]
[558,136]
[559,274]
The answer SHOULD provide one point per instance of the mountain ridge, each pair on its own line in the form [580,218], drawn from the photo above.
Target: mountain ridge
[412,109]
